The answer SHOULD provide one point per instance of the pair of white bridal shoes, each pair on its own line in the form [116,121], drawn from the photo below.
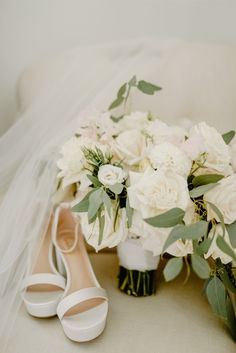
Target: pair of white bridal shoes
[78,300]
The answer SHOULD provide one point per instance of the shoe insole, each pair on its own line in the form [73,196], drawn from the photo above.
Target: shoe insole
[77,263]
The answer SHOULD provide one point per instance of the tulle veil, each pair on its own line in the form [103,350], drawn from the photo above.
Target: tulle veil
[29,150]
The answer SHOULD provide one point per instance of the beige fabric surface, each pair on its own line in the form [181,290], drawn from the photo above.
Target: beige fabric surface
[177,320]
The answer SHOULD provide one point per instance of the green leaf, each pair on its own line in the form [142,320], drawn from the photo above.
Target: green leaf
[231,229]
[193,231]
[200,266]
[107,202]
[94,180]
[167,219]
[224,246]
[117,188]
[219,214]
[116,103]
[122,90]
[204,246]
[200,190]
[206,179]
[215,292]
[129,212]
[147,88]
[173,268]
[224,276]
[101,221]
[83,205]
[228,136]
[116,119]
[133,81]
[231,318]
[95,202]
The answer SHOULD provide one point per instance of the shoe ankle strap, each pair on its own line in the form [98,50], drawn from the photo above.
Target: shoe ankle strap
[56,233]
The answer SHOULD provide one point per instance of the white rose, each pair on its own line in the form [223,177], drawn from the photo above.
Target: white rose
[136,120]
[223,196]
[71,163]
[161,132]
[168,157]
[155,192]
[214,251]
[151,238]
[110,175]
[180,248]
[232,147]
[218,155]
[130,146]
[110,237]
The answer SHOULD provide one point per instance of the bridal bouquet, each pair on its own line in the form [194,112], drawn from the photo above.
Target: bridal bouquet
[154,189]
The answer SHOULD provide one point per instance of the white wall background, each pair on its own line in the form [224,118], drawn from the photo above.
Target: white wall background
[30,29]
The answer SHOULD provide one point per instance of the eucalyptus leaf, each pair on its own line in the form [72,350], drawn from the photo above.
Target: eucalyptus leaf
[101,221]
[116,119]
[200,190]
[133,81]
[83,205]
[192,232]
[173,268]
[204,246]
[224,246]
[116,103]
[231,318]
[117,188]
[95,202]
[107,202]
[94,180]
[147,88]
[231,229]
[206,179]
[215,292]
[219,214]
[224,276]
[129,212]
[167,219]
[122,90]
[228,136]
[200,266]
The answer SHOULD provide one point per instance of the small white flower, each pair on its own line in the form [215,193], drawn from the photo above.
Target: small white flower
[130,146]
[223,196]
[136,120]
[155,192]
[214,251]
[217,152]
[111,237]
[110,175]
[168,157]
[72,162]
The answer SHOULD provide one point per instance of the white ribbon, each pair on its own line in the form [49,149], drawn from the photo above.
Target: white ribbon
[133,257]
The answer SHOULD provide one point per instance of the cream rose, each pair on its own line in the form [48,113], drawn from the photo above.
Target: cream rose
[110,175]
[111,237]
[214,251]
[217,152]
[223,196]
[130,146]
[155,192]
[161,132]
[136,120]
[168,157]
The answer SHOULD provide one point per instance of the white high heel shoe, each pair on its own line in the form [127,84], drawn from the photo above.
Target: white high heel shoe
[44,288]
[84,306]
